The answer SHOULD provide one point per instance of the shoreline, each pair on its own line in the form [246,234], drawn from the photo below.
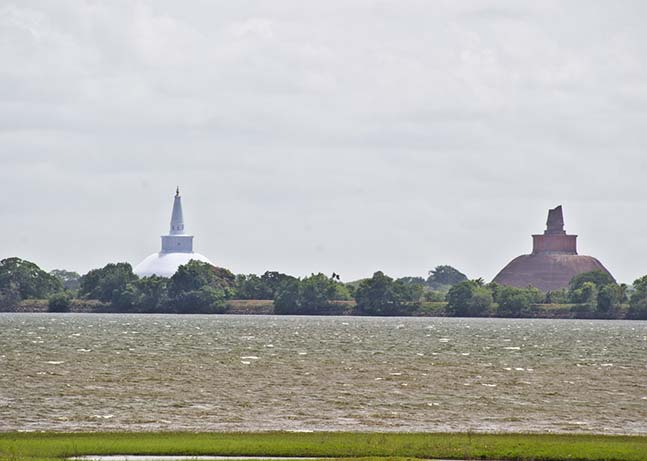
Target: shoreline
[340,308]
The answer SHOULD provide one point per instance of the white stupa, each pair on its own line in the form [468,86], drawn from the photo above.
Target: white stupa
[177,248]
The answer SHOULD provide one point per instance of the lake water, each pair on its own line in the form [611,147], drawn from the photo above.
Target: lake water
[226,373]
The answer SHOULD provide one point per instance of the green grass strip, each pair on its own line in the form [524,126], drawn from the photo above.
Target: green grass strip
[41,446]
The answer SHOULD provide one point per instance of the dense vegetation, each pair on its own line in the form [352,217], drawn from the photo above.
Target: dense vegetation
[590,295]
[198,287]
[21,279]
[326,445]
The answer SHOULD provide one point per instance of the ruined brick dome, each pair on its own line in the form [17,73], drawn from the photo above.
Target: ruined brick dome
[554,260]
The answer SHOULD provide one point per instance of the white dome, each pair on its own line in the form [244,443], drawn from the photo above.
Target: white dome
[166,264]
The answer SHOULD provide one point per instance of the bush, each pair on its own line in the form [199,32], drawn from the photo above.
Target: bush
[205,300]
[59,302]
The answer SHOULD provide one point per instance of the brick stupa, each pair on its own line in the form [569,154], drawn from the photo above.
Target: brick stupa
[554,260]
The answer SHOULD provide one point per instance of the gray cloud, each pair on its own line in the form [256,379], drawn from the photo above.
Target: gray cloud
[339,136]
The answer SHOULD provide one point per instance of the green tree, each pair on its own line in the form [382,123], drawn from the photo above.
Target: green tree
[250,287]
[151,294]
[444,276]
[264,287]
[28,279]
[71,280]
[196,274]
[272,281]
[381,295]
[316,292]
[609,297]
[312,295]
[434,296]
[59,302]
[108,282]
[557,296]
[597,277]
[638,302]
[199,287]
[596,293]
[469,299]
[9,297]
[286,299]
[516,302]
[585,299]
[409,281]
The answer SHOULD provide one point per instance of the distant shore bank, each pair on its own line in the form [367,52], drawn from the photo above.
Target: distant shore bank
[266,307]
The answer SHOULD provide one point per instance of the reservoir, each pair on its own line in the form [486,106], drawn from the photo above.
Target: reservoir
[97,372]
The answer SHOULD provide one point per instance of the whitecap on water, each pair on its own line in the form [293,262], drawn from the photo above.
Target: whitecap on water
[444,340]
[512,348]
[303,353]
[488,385]
[245,362]
[84,350]
[249,357]
[55,362]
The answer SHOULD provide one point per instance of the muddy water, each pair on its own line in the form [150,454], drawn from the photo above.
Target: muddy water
[225,373]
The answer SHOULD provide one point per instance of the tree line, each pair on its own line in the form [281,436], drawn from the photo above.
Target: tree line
[198,287]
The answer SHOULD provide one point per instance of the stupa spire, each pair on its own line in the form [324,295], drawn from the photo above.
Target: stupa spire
[554,239]
[177,219]
[555,222]
[177,241]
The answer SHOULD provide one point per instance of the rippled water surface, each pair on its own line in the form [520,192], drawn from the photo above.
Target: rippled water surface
[148,372]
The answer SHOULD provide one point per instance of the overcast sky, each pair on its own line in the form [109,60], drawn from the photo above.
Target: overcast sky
[346,136]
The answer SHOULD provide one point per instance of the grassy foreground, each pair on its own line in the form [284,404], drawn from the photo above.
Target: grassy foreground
[374,446]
